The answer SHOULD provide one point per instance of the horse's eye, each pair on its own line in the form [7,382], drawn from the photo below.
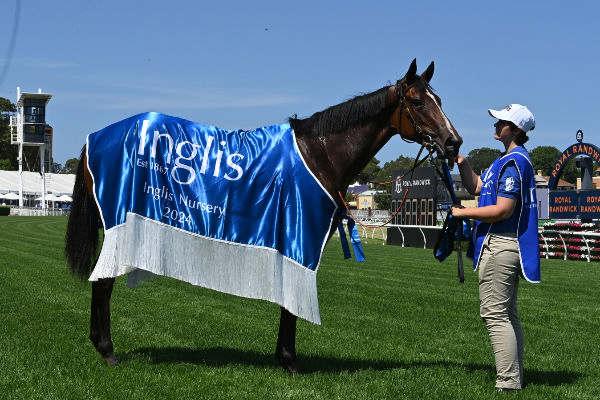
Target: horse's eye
[418,103]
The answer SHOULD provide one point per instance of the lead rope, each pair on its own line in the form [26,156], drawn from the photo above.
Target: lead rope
[445,175]
[411,171]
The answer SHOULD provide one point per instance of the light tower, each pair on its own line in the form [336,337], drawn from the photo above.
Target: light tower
[28,129]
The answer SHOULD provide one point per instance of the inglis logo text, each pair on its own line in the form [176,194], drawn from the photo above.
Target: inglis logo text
[185,152]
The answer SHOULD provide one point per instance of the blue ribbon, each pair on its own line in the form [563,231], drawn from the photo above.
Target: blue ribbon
[354,238]
[344,240]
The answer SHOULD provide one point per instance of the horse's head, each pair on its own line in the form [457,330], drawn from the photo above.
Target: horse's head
[419,116]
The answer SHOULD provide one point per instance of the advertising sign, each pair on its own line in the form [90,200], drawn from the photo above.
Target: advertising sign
[589,204]
[421,182]
[571,204]
[563,204]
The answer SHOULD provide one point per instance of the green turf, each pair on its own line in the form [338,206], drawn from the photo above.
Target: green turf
[398,326]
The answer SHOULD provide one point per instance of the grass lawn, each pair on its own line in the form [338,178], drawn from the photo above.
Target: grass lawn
[398,326]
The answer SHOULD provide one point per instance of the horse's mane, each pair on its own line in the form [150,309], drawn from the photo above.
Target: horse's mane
[340,117]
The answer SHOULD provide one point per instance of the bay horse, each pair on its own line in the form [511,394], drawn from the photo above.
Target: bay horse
[336,144]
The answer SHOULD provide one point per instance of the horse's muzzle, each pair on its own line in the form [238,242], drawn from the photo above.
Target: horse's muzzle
[451,148]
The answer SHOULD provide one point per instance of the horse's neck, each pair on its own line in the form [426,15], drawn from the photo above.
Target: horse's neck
[337,159]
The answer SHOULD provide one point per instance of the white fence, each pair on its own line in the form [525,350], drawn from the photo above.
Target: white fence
[371,216]
[415,235]
[34,211]
[563,240]
[402,235]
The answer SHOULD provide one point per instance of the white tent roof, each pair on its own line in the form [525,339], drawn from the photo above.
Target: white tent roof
[32,183]
[48,197]
[10,196]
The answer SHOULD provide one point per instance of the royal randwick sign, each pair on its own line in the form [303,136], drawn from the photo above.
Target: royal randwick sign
[580,204]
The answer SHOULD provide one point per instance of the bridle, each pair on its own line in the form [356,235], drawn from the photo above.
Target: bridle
[425,140]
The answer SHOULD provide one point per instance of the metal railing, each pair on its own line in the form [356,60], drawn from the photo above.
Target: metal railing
[36,211]
[420,228]
[588,238]
[16,131]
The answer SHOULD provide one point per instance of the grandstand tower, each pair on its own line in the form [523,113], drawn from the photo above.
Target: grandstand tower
[28,128]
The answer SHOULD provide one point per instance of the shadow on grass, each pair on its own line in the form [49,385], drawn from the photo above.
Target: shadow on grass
[220,357]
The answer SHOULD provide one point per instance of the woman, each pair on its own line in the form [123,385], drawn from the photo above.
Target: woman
[505,242]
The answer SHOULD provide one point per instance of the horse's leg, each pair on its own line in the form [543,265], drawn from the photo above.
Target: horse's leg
[286,342]
[100,319]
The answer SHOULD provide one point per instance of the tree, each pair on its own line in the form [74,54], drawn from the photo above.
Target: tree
[544,158]
[383,200]
[8,152]
[5,165]
[569,172]
[70,166]
[481,159]
[7,108]
[370,172]
[373,173]
[56,168]
[390,167]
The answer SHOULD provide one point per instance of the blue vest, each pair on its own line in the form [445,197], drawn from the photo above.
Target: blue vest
[527,231]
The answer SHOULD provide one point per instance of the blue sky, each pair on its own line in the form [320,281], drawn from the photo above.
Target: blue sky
[246,64]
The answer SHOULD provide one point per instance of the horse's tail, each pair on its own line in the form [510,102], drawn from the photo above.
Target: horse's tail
[81,240]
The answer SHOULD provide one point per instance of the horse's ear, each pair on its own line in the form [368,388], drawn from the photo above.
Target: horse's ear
[411,75]
[428,74]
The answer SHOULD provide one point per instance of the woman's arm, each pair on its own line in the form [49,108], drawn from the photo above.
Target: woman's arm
[500,211]
[469,178]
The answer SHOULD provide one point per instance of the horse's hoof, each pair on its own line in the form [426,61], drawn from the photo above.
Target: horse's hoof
[111,361]
[292,369]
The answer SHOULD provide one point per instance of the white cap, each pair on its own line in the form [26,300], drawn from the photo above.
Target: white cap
[517,114]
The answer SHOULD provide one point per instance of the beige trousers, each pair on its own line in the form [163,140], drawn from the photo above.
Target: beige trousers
[499,270]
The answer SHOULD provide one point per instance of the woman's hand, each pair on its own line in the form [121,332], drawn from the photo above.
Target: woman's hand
[459,160]
[457,210]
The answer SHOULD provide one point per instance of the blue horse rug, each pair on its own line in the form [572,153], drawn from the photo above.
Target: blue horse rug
[234,211]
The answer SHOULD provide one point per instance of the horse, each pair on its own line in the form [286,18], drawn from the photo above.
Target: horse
[335,144]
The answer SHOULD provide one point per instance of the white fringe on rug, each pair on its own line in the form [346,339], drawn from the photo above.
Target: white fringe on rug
[142,246]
